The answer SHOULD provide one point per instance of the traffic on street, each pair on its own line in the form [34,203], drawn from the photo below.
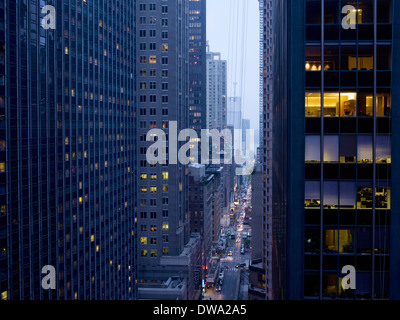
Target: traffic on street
[232,263]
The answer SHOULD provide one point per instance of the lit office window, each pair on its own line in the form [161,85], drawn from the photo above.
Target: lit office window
[339,241]
[348,104]
[364,195]
[383,195]
[313,104]
[331,104]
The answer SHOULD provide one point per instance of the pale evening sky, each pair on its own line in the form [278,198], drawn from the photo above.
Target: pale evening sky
[233,29]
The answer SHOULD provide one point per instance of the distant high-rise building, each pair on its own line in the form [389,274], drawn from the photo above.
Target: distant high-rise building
[67,150]
[216,91]
[163,101]
[234,116]
[336,149]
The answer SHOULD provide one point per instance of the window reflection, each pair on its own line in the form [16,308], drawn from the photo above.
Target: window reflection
[364,150]
[348,148]
[312,194]
[348,195]
[313,149]
[331,149]
[383,149]
[331,200]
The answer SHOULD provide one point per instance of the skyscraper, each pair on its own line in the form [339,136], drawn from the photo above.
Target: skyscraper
[336,77]
[67,150]
[216,91]
[197,65]
[265,155]
[163,78]
[234,112]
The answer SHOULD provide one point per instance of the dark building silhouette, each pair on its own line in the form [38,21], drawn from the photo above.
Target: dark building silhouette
[67,150]
[335,153]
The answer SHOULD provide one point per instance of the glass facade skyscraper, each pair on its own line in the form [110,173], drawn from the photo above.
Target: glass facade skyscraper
[67,149]
[335,153]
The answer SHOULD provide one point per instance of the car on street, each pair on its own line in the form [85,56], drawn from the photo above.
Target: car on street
[218,288]
[240,265]
[230,253]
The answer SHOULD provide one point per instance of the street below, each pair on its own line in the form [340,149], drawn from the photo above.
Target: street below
[235,259]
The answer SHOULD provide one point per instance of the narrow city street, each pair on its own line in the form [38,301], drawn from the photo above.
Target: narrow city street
[235,261]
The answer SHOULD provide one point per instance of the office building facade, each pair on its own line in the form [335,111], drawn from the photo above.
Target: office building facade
[67,156]
[162,99]
[197,65]
[336,78]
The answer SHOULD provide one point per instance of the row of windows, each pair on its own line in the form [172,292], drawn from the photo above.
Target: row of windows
[152,7]
[153,85]
[153,202]
[153,73]
[348,103]
[153,46]
[153,189]
[332,285]
[153,21]
[153,227]
[153,215]
[153,253]
[332,13]
[348,149]
[153,60]
[347,195]
[153,176]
